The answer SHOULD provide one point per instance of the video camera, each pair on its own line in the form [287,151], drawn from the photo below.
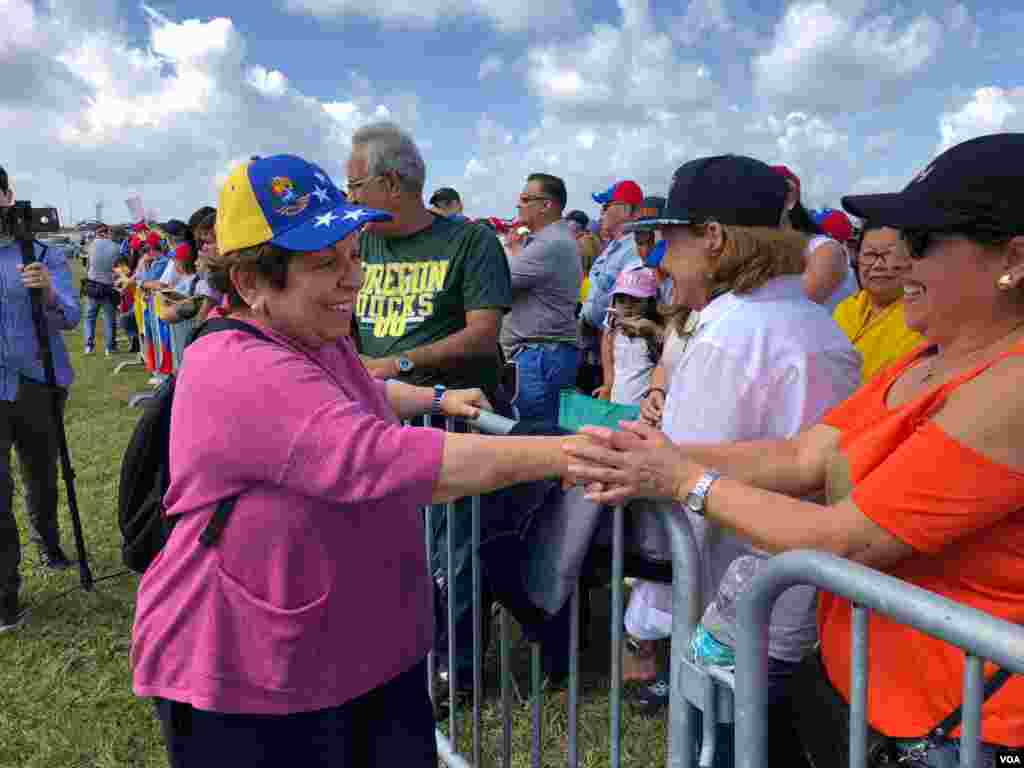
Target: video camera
[21,220]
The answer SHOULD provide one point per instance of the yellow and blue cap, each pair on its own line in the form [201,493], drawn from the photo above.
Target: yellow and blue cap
[289,202]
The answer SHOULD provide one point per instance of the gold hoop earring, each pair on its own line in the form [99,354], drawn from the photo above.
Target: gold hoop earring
[1005,282]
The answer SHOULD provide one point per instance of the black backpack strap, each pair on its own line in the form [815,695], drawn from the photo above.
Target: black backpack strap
[216,324]
[952,720]
[211,533]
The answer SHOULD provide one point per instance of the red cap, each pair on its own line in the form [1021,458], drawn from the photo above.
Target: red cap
[135,242]
[139,226]
[183,252]
[785,172]
[621,192]
[153,239]
[837,226]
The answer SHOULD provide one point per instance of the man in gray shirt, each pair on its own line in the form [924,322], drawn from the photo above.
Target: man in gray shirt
[100,291]
[539,333]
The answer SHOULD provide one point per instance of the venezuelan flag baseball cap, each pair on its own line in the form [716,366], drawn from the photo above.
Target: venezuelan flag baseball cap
[286,201]
[620,192]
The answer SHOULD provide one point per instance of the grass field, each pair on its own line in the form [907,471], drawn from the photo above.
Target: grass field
[65,693]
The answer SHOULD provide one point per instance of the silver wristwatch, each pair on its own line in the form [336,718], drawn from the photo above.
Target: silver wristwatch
[696,500]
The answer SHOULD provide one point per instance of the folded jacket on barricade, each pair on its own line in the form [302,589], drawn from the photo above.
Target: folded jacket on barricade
[536,539]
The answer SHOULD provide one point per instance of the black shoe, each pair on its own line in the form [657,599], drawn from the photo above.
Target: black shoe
[11,614]
[651,700]
[55,559]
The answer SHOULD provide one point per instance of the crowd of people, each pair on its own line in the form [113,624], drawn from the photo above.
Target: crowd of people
[804,379]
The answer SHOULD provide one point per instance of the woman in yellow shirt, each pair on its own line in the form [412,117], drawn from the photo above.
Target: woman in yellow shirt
[873,318]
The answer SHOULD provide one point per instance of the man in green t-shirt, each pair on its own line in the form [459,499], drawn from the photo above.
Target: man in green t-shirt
[430,310]
[434,290]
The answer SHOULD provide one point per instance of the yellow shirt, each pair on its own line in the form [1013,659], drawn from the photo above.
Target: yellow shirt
[881,338]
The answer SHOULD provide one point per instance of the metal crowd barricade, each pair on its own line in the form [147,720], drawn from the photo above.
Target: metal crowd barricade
[489,423]
[980,635]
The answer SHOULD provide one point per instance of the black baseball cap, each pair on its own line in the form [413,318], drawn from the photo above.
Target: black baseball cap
[976,184]
[4,183]
[444,196]
[729,189]
[579,217]
[651,210]
[175,228]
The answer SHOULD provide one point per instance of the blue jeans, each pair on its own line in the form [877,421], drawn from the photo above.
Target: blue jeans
[543,371]
[109,323]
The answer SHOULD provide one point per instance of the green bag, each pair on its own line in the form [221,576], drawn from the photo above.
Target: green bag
[576,410]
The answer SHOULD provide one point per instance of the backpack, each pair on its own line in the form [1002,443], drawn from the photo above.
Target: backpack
[145,473]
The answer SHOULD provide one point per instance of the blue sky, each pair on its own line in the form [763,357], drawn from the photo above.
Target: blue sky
[112,98]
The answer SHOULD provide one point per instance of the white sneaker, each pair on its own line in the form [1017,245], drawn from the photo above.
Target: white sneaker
[108,353]
[89,350]
[156,381]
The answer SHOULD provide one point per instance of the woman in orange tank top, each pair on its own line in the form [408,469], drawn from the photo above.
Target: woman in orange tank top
[923,467]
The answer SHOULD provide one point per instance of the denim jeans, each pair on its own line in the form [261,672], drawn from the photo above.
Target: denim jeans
[543,371]
[109,322]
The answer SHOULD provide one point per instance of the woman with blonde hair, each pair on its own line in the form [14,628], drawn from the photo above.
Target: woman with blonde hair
[923,468]
[764,362]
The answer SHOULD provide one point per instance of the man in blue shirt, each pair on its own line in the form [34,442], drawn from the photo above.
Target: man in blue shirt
[26,412]
[620,204]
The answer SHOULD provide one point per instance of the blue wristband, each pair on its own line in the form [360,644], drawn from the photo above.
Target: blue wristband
[439,391]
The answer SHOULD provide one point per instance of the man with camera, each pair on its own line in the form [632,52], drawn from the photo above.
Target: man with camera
[26,405]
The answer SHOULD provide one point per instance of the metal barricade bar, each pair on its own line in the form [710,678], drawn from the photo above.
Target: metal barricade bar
[980,635]
[687,580]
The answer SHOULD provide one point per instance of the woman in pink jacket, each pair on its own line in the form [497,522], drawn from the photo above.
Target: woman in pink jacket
[300,638]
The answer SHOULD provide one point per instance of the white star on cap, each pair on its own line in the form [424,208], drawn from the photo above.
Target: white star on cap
[355,215]
[326,220]
[320,177]
[320,194]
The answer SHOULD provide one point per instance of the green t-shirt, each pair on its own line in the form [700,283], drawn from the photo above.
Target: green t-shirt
[417,290]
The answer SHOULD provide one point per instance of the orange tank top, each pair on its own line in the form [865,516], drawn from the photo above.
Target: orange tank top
[964,516]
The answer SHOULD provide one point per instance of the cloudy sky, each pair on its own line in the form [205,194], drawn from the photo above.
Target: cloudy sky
[104,99]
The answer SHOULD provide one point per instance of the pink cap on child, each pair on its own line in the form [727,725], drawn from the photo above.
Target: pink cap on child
[639,283]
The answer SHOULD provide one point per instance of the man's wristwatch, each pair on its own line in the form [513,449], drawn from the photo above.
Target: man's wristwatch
[439,391]
[696,500]
[405,365]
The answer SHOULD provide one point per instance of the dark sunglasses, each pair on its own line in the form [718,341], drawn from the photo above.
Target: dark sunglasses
[920,240]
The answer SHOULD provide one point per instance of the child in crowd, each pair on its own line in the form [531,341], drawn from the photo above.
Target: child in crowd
[638,333]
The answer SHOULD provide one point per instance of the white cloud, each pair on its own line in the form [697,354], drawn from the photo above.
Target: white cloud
[167,119]
[706,18]
[619,73]
[506,16]
[491,65]
[826,60]
[990,110]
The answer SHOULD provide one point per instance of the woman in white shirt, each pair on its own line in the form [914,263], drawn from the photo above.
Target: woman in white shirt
[764,362]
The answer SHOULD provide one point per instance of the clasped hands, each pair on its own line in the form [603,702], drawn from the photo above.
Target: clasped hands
[638,462]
